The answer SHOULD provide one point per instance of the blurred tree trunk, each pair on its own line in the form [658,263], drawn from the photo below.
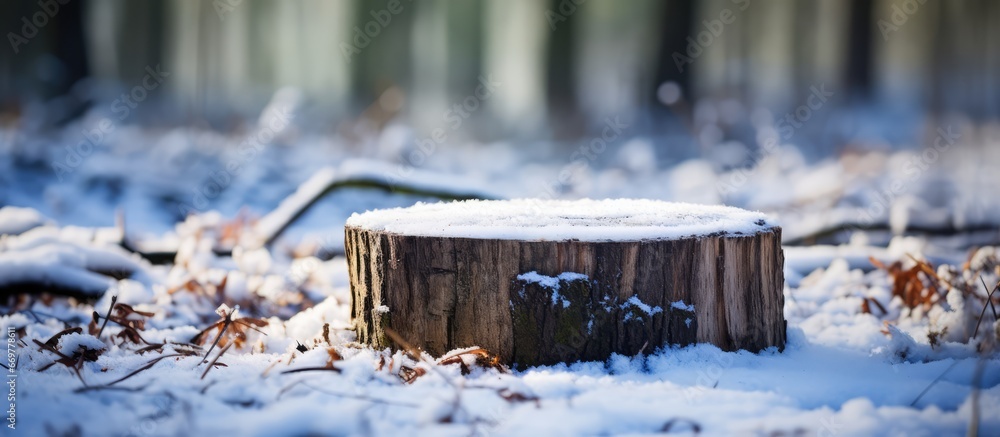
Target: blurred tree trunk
[517,36]
[675,26]
[903,55]
[858,52]
[385,62]
[429,53]
[596,58]
[560,81]
[613,47]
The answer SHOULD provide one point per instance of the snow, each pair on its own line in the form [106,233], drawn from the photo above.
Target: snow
[843,371]
[838,375]
[52,266]
[292,204]
[15,220]
[360,171]
[66,257]
[552,283]
[680,305]
[584,220]
[71,343]
[642,306]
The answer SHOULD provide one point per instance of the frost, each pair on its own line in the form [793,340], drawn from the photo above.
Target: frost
[70,343]
[584,220]
[225,311]
[839,374]
[634,302]
[680,305]
[551,283]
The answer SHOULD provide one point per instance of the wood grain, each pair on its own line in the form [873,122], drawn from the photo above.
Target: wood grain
[446,293]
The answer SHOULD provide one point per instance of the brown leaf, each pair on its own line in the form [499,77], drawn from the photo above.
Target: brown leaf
[334,356]
[236,333]
[878,264]
[480,358]
[514,397]
[53,342]
[410,374]
[126,310]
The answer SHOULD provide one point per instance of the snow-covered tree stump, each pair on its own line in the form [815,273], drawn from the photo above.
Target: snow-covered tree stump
[542,282]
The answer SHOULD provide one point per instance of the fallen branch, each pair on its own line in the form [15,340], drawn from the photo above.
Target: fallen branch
[33,288]
[146,366]
[104,387]
[114,300]
[216,360]
[935,381]
[160,257]
[377,176]
[943,231]
[419,356]
[311,369]
[227,320]
[322,184]
[989,303]
[669,425]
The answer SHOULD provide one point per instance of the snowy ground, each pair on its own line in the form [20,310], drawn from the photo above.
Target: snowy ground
[840,374]
[863,344]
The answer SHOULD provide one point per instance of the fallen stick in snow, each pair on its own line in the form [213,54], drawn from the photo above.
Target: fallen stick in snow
[351,174]
[544,282]
[360,174]
[34,272]
[941,231]
[40,287]
[80,263]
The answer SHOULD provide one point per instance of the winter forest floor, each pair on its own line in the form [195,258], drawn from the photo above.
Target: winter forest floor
[889,259]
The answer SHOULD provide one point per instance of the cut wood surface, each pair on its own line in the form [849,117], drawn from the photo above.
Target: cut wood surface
[481,273]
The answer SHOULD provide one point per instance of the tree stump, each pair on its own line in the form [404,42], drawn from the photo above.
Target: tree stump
[543,282]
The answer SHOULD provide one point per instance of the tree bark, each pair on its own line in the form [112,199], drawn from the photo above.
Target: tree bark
[442,293]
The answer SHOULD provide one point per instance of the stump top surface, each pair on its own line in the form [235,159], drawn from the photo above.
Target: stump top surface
[560,220]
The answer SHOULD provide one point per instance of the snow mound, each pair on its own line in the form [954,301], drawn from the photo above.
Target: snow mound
[51,266]
[78,259]
[71,343]
[15,220]
[585,220]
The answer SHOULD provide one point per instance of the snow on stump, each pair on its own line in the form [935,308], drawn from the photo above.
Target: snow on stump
[543,282]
